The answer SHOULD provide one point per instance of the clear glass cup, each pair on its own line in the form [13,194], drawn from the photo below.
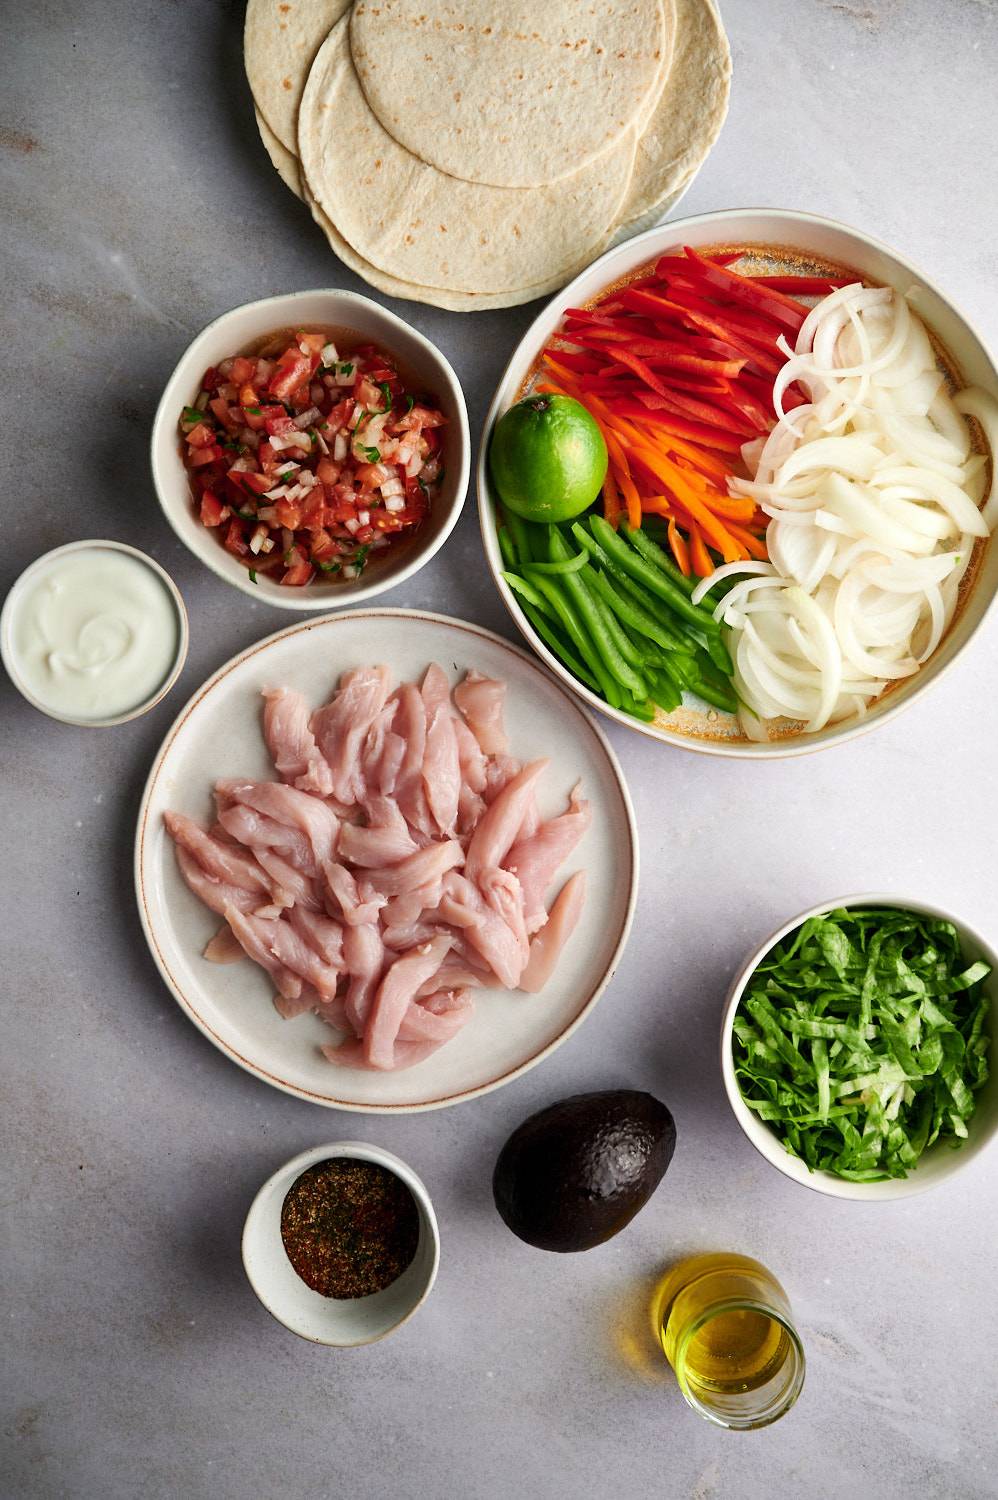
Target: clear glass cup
[728,1333]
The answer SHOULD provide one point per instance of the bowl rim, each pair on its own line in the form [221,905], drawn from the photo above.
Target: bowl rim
[290,1171]
[9,656]
[784,749]
[214,557]
[764,1141]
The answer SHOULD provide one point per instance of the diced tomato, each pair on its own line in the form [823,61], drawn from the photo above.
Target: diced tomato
[323,546]
[243,370]
[313,510]
[293,368]
[234,539]
[367,393]
[299,575]
[198,457]
[250,481]
[220,410]
[213,512]
[288,513]
[316,342]
[210,379]
[201,436]
[278,425]
[328,472]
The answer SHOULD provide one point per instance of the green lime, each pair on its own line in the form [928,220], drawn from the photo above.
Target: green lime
[547,458]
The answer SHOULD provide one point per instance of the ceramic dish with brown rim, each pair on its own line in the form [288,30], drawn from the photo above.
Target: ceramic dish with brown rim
[772,243]
[218,734]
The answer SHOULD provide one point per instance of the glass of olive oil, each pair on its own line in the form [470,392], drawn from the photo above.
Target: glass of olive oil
[727,1331]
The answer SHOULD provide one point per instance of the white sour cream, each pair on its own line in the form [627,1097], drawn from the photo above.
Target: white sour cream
[95,633]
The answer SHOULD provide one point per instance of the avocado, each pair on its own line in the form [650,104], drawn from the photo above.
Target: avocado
[571,1176]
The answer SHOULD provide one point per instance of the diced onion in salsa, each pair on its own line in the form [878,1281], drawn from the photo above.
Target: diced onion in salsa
[307,461]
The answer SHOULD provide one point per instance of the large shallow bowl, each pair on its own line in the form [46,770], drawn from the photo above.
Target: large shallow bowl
[940,1161]
[218,734]
[235,331]
[805,237]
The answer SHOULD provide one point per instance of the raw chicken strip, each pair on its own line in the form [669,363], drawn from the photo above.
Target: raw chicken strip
[438,1018]
[276,946]
[435,690]
[323,935]
[442,770]
[343,889]
[374,745]
[405,1054]
[222,862]
[451,975]
[257,832]
[394,994]
[419,869]
[487,933]
[341,727]
[215,894]
[499,772]
[473,762]
[292,744]
[410,724]
[492,839]
[364,956]
[297,810]
[384,841]
[536,860]
[247,929]
[545,950]
[224,947]
[287,877]
[481,701]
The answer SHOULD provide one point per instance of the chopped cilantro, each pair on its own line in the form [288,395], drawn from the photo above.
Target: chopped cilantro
[359,558]
[191,414]
[386,391]
[252,574]
[409,403]
[372,455]
[332,566]
[247,515]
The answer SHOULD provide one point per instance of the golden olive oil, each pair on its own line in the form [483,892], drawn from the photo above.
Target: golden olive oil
[726,1329]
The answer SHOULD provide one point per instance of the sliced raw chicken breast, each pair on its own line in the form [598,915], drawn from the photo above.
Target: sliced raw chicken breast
[291,743]
[481,701]
[535,861]
[545,950]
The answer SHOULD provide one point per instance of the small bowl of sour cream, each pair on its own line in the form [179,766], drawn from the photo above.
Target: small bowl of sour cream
[94,633]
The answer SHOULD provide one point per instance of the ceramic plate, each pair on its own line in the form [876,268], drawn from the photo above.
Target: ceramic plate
[218,734]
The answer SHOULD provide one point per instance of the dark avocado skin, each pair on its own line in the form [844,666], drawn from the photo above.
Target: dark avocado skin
[571,1176]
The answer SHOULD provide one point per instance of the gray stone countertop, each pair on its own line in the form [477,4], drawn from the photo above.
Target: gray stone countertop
[138,204]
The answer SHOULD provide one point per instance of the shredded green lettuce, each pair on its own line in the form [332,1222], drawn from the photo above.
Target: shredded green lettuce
[861,1040]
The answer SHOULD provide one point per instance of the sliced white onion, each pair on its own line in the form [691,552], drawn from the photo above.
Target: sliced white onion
[873,492]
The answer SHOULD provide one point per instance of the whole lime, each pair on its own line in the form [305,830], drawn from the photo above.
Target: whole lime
[547,458]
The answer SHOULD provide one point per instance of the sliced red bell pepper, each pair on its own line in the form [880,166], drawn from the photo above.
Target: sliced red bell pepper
[745,289]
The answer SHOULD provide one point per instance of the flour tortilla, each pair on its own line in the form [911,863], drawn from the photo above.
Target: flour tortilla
[432,230]
[280,39]
[286,163]
[513,94]
[432,296]
[689,116]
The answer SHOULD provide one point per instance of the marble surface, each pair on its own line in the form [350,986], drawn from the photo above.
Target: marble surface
[138,203]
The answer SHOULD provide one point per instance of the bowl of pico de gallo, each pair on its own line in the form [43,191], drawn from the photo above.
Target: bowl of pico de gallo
[312,449]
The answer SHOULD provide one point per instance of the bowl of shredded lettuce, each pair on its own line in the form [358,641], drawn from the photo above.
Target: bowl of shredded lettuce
[855,1047]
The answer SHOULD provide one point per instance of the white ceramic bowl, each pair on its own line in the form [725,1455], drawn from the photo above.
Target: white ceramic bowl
[8,650]
[823,239]
[235,331]
[342,1323]
[940,1161]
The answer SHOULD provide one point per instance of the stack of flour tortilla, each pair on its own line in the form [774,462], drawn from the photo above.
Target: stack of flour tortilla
[479,153]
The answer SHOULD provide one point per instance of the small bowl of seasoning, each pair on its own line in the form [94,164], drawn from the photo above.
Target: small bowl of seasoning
[94,633]
[341,1244]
